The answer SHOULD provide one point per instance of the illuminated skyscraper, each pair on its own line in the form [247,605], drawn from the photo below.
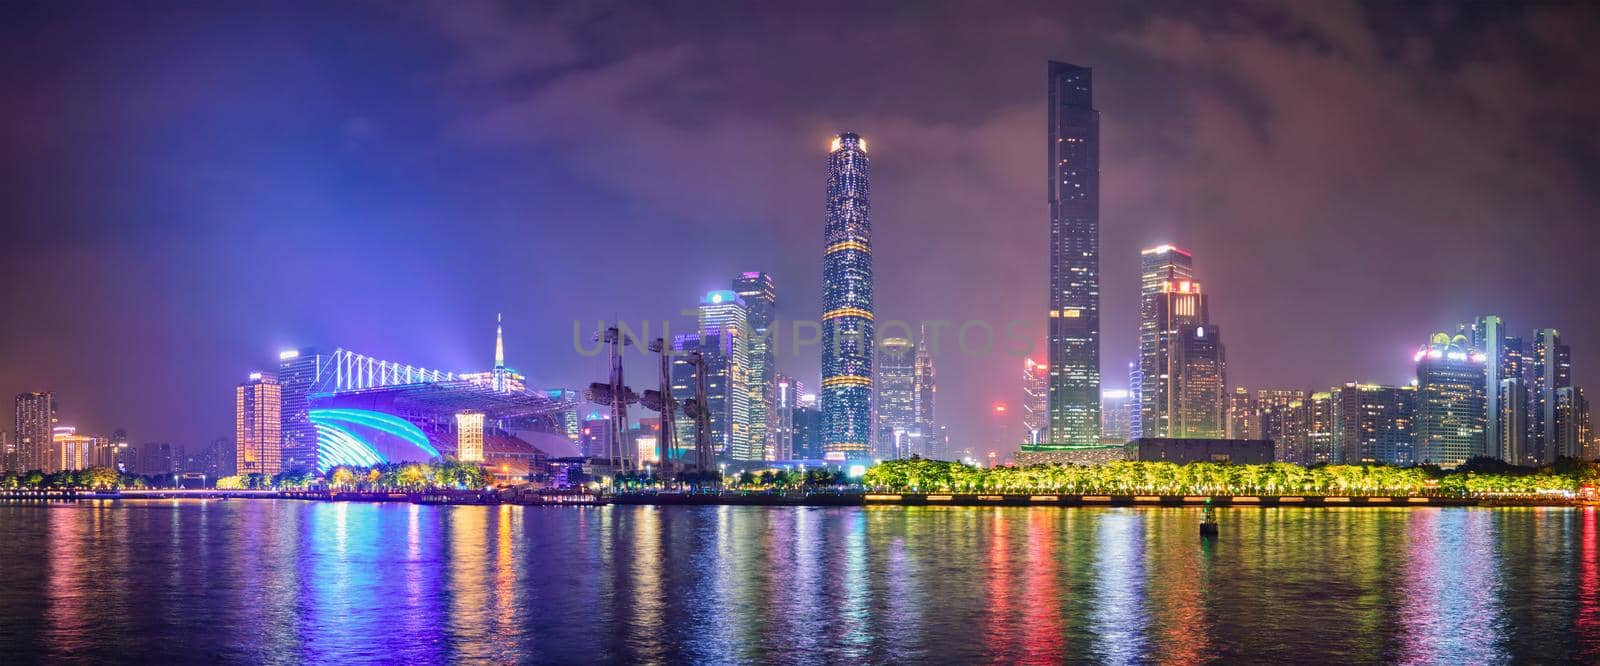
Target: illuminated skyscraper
[257,426]
[847,326]
[807,428]
[1575,438]
[926,395]
[1487,334]
[299,373]
[761,300]
[1450,401]
[1116,414]
[724,343]
[1242,423]
[35,421]
[1551,370]
[70,450]
[469,436]
[1372,424]
[1036,402]
[1182,362]
[785,401]
[1282,416]
[896,397]
[1322,444]
[1135,402]
[1073,186]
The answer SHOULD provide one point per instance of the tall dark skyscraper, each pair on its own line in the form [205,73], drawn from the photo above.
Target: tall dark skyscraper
[761,302]
[1552,370]
[1074,187]
[847,328]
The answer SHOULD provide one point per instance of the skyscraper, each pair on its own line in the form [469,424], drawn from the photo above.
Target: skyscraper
[1551,369]
[1282,415]
[926,395]
[785,401]
[1116,413]
[299,373]
[35,421]
[1182,362]
[1135,402]
[847,326]
[1036,402]
[1372,424]
[1073,186]
[1450,401]
[896,396]
[1575,437]
[761,301]
[258,438]
[1487,334]
[1242,423]
[807,427]
[70,450]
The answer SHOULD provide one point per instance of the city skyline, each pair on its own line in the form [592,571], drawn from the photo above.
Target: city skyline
[134,307]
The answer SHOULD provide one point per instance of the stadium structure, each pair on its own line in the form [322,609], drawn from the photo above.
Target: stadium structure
[346,408]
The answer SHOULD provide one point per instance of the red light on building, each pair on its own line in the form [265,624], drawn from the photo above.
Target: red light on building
[999,408]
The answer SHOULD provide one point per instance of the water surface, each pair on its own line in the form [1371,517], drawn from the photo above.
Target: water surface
[280,581]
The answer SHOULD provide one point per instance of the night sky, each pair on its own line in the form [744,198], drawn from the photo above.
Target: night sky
[188,188]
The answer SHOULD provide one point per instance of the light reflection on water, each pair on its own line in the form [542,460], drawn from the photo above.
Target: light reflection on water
[288,582]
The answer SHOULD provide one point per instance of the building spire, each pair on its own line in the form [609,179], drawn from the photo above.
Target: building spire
[499,343]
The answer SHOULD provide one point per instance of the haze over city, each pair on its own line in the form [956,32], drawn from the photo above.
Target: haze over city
[195,188]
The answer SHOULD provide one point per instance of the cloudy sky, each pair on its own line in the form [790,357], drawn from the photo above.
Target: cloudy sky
[187,189]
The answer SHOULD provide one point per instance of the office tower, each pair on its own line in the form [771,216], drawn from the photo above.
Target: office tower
[8,452]
[1574,432]
[761,301]
[725,341]
[69,451]
[1450,401]
[847,328]
[1202,365]
[127,459]
[35,417]
[926,388]
[299,375]
[1282,416]
[595,435]
[567,418]
[160,458]
[1373,424]
[896,396]
[785,400]
[1487,335]
[1116,407]
[1036,402]
[1511,402]
[1242,422]
[807,428]
[1135,404]
[257,426]
[1073,147]
[1321,439]
[469,436]
[215,460]
[1183,364]
[1551,370]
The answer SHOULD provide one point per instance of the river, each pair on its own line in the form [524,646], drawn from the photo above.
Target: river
[284,581]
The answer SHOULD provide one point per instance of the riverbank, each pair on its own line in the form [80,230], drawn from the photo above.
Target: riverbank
[1020,499]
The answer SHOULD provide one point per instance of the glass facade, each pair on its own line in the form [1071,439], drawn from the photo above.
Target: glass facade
[1074,196]
[847,315]
[761,300]
[1450,401]
[897,412]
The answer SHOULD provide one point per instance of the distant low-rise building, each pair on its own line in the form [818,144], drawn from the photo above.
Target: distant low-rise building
[1182,451]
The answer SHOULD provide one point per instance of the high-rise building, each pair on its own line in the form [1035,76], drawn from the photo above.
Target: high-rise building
[1036,402]
[808,428]
[1073,148]
[8,452]
[35,419]
[761,302]
[1575,438]
[596,434]
[1182,364]
[257,426]
[1372,424]
[847,324]
[1242,423]
[1135,402]
[127,455]
[1283,417]
[1450,401]
[1116,413]
[469,436]
[159,458]
[725,341]
[70,450]
[896,397]
[1551,370]
[1511,402]
[1202,365]
[570,424]
[785,401]
[1487,334]
[926,391]
[299,374]
[1322,444]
